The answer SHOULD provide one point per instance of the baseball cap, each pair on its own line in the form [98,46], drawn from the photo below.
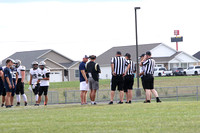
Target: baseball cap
[128,55]
[85,56]
[9,59]
[148,53]
[142,55]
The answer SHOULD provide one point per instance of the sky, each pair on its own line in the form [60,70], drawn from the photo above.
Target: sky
[78,27]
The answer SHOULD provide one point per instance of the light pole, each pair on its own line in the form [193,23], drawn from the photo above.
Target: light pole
[136,37]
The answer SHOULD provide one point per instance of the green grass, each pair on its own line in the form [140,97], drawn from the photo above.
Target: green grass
[167,117]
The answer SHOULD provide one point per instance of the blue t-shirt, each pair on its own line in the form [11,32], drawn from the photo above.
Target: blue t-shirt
[8,73]
[14,72]
[1,81]
[82,67]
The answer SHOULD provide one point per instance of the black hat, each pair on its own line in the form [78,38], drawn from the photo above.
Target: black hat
[119,53]
[142,55]
[148,53]
[92,57]
[128,55]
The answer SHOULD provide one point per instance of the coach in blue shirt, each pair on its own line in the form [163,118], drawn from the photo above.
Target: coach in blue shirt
[8,81]
[83,80]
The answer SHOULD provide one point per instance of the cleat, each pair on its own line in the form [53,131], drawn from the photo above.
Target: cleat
[18,104]
[120,102]
[2,105]
[25,104]
[110,103]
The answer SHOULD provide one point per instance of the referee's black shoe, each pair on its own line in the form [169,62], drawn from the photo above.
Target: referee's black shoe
[120,102]
[147,101]
[110,103]
[158,100]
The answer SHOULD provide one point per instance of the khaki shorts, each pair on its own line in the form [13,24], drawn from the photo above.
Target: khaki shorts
[93,85]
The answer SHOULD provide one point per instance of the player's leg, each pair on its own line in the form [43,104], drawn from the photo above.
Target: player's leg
[46,94]
[3,96]
[8,96]
[40,95]
[18,98]
[23,94]
[113,89]
[130,95]
[148,94]
[126,90]
[81,95]
[120,88]
[35,91]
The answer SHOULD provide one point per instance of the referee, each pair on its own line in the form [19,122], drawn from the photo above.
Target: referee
[129,79]
[148,78]
[118,64]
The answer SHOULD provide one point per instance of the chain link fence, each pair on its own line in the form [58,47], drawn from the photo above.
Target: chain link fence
[178,93]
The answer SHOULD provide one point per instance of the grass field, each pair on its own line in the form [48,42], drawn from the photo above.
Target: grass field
[167,117]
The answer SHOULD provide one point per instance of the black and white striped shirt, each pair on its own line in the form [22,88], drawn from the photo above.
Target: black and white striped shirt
[119,64]
[132,69]
[149,66]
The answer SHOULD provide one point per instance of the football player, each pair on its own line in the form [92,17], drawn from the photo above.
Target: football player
[15,78]
[43,78]
[33,85]
[8,82]
[20,83]
[2,87]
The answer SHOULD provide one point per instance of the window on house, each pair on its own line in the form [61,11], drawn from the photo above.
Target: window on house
[76,73]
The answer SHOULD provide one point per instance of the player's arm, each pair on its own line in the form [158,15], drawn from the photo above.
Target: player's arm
[98,68]
[47,76]
[128,67]
[23,75]
[84,75]
[8,81]
[3,78]
[30,82]
[112,68]
[16,77]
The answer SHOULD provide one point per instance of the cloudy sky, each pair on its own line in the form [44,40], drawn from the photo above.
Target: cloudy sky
[78,27]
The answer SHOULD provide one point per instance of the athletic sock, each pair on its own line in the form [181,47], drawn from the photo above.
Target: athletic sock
[24,97]
[36,97]
[18,98]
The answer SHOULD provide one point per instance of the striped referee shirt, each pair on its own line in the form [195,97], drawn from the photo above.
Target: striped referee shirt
[149,66]
[119,64]
[132,68]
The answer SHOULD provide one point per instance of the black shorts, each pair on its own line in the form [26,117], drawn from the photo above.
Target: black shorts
[148,82]
[36,90]
[43,89]
[128,82]
[19,87]
[14,89]
[142,80]
[117,82]
[2,90]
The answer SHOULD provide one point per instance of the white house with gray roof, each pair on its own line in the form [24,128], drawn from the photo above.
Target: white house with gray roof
[62,68]
[164,56]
